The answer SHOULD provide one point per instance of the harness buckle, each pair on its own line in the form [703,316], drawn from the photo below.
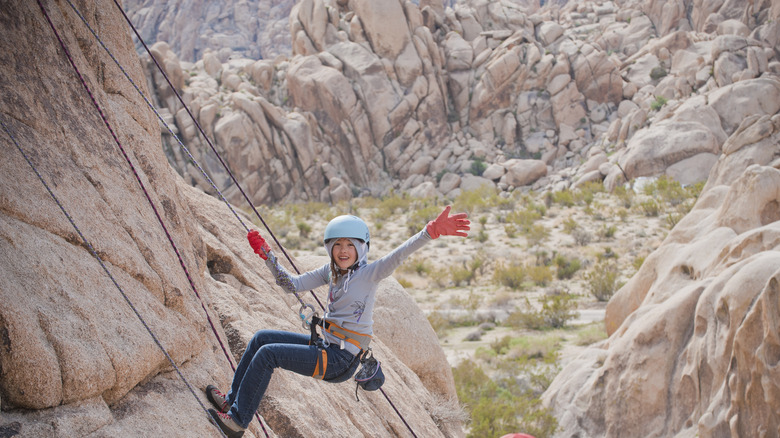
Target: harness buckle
[306,318]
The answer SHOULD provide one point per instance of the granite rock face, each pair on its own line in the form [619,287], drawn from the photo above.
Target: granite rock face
[75,358]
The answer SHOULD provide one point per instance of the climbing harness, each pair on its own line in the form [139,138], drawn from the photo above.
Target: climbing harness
[140,182]
[97,257]
[306,318]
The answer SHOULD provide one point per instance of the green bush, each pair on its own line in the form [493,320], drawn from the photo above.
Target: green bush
[567,267]
[602,281]
[569,225]
[439,323]
[650,208]
[556,310]
[524,219]
[658,103]
[419,217]
[460,275]
[500,407]
[563,197]
[536,234]
[625,195]
[478,166]
[475,200]
[540,275]
[511,276]
[657,73]
[304,229]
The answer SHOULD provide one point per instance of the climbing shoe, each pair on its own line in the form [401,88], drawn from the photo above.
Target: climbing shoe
[217,398]
[227,424]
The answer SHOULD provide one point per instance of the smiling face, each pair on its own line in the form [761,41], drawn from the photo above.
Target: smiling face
[344,253]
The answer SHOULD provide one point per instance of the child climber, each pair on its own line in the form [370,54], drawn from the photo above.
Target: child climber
[347,329]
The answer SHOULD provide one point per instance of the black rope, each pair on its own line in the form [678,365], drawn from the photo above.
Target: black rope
[214,149]
[225,166]
[105,268]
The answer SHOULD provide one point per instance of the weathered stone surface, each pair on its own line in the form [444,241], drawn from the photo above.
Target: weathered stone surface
[523,172]
[76,360]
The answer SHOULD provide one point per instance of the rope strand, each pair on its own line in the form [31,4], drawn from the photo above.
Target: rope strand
[235,181]
[94,253]
[214,149]
[138,178]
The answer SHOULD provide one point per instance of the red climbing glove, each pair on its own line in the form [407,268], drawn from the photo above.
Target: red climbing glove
[446,225]
[258,244]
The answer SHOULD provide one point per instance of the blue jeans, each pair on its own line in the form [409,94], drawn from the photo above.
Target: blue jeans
[271,349]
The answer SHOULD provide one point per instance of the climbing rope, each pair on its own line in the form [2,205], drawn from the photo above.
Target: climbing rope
[238,185]
[94,253]
[189,155]
[214,149]
[138,178]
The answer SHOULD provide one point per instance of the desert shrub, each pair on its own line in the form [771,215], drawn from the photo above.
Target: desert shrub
[304,229]
[556,310]
[470,302]
[638,262]
[657,73]
[439,323]
[478,263]
[625,196]
[602,281]
[406,284]
[563,197]
[536,234]
[511,276]
[461,275]
[500,407]
[478,166]
[658,103]
[524,218]
[591,333]
[417,265]
[482,236]
[440,277]
[581,236]
[444,410]
[650,208]
[607,231]
[390,205]
[567,267]
[569,225]
[419,217]
[540,275]
[475,200]
[510,230]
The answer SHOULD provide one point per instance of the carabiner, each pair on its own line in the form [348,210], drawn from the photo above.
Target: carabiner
[306,318]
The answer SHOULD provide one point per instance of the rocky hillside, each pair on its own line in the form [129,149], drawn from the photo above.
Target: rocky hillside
[435,100]
[421,99]
[75,358]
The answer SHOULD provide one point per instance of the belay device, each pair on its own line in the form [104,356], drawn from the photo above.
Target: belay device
[370,377]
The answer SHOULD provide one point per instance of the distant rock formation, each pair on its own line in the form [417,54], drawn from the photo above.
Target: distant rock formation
[374,98]
[74,358]
[253,29]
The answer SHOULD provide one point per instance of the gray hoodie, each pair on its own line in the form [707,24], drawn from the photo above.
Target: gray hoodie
[351,299]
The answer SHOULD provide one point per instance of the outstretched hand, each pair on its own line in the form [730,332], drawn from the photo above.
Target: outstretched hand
[446,225]
[258,244]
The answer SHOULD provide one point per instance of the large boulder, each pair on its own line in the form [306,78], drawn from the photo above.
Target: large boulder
[78,357]
[690,332]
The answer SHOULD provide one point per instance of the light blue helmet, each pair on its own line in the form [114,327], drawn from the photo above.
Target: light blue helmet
[351,227]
